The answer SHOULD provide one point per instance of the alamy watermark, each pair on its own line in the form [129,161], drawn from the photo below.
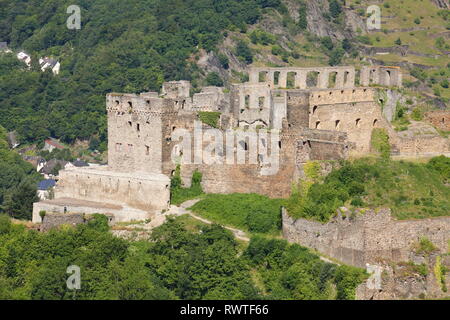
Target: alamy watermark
[213,146]
[374,20]
[74,20]
[74,280]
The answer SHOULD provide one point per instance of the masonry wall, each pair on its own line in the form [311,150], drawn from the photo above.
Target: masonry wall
[347,110]
[55,220]
[298,109]
[423,145]
[440,119]
[278,77]
[134,132]
[366,238]
[256,174]
[149,192]
[250,176]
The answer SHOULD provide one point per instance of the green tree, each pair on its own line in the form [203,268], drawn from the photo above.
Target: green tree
[19,200]
[335,8]
[302,18]
[214,79]
[244,52]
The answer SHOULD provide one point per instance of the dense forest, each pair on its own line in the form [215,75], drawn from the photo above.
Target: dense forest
[130,46]
[17,182]
[206,263]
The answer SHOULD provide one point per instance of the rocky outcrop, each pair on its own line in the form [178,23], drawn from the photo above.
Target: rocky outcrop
[415,279]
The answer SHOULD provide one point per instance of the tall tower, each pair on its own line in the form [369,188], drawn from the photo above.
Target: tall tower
[135,125]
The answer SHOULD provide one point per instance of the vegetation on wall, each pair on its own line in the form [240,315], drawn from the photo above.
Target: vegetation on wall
[178,193]
[210,118]
[380,142]
[411,190]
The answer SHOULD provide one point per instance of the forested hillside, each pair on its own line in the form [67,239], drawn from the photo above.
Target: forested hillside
[17,182]
[133,46]
[130,46]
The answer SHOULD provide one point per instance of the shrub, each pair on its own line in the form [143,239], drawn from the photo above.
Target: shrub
[277,50]
[380,142]
[244,52]
[42,214]
[213,79]
[259,36]
[262,222]
[98,222]
[441,164]
[419,74]
[302,19]
[178,194]
[210,118]
[417,114]
[335,8]
[327,43]
[224,61]
[5,224]
[425,246]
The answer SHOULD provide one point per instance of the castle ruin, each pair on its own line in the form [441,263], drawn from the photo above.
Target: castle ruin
[299,114]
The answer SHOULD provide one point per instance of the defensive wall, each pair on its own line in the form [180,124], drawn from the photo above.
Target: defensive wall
[367,238]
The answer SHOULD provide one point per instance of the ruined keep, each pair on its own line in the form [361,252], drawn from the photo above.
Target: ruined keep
[271,126]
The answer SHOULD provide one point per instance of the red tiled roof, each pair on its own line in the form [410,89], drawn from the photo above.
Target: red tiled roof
[54,144]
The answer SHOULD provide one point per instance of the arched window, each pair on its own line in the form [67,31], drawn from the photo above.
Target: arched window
[375,122]
[317,124]
[358,122]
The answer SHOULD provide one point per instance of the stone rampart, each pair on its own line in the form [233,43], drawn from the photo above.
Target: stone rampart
[359,239]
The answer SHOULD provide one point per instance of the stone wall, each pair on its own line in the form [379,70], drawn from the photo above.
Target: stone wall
[351,110]
[422,146]
[55,220]
[371,237]
[440,119]
[257,169]
[278,77]
[381,75]
[65,206]
[149,192]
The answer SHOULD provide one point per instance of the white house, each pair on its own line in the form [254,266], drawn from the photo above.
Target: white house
[47,62]
[24,57]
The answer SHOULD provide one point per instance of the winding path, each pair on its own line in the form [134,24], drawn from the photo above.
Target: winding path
[183,209]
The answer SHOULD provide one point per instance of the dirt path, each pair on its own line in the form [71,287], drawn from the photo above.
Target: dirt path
[183,209]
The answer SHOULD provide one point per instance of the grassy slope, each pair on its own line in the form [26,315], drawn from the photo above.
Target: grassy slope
[234,210]
[411,190]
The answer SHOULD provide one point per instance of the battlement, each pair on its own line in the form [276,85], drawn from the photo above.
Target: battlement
[148,102]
